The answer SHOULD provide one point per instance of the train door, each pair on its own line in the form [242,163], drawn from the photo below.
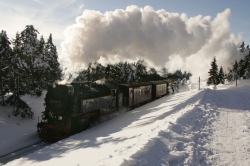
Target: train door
[131,97]
[136,96]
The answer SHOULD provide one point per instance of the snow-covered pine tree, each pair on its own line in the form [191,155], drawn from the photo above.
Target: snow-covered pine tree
[31,61]
[34,66]
[221,76]
[26,65]
[53,70]
[213,74]
[247,72]
[247,65]
[16,65]
[229,76]
[41,66]
[18,86]
[236,70]
[5,63]
[241,68]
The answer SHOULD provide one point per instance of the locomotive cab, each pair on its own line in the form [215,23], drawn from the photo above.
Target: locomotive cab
[57,100]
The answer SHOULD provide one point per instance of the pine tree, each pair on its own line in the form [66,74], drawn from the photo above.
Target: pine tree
[221,76]
[229,76]
[34,65]
[236,70]
[213,74]
[41,66]
[247,66]
[242,47]
[31,60]
[241,68]
[16,66]
[26,65]
[5,63]
[247,73]
[53,70]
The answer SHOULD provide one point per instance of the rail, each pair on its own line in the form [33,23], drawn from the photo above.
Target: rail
[22,152]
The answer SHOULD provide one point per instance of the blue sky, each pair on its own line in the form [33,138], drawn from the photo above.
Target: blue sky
[54,16]
[240,12]
[239,19]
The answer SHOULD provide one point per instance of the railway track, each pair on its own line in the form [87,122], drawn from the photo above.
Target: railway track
[22,152]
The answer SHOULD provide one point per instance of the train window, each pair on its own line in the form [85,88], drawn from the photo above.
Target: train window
[131,94]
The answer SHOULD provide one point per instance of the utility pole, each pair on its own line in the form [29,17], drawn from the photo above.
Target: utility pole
[236,80]
[3,102]
[236,77]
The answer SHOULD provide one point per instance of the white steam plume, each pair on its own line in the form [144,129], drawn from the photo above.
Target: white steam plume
[163,39]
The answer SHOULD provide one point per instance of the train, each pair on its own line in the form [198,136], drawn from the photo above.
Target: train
[72,108]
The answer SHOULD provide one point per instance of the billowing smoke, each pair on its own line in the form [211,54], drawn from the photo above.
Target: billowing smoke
[160,38]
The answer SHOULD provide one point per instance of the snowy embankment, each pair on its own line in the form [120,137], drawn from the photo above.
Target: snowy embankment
[17,132]
[231,139]
[206,127]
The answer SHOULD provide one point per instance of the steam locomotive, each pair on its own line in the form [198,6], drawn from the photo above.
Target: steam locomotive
[72,108]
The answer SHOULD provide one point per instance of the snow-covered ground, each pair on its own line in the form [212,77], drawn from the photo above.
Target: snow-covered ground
[17,132]
[206,127]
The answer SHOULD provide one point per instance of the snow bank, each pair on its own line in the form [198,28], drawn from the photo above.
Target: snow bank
[183,142]
[16,131]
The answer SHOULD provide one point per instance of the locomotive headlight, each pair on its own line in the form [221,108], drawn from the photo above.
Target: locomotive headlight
[59,117]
